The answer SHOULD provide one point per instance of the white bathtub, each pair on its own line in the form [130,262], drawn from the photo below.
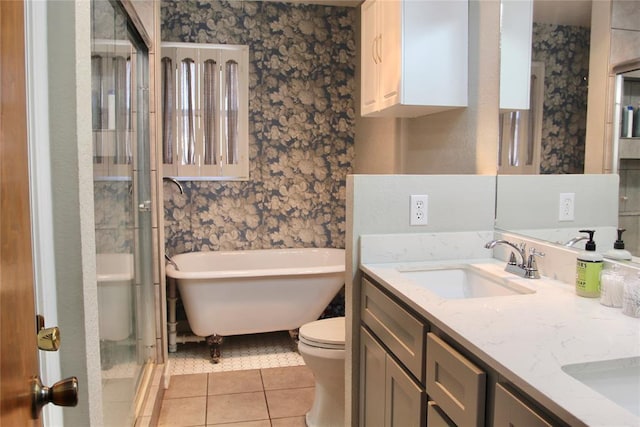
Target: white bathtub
[254,291]
[115,275]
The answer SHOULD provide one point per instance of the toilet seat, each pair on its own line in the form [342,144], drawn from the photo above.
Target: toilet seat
[325,333]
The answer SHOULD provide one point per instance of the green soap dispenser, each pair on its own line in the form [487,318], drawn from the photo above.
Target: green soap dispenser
[588,268]
[618,251]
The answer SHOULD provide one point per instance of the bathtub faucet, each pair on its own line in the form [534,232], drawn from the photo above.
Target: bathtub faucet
[171,261]
[175,181]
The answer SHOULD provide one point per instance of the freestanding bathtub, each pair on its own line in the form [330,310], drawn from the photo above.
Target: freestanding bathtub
[255,291]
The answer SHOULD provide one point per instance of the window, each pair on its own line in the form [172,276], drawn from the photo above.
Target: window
[205,104]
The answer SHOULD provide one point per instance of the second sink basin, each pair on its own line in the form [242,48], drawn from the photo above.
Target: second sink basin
[618,380]
[463,281]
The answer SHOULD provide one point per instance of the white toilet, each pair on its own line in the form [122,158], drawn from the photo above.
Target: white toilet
[321,346]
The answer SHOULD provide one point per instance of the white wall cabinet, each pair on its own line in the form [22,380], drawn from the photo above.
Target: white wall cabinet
[516,24]
[414,57]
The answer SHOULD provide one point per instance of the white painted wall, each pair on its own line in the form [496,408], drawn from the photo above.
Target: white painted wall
[69,58]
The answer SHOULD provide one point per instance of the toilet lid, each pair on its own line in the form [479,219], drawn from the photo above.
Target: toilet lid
[325,333]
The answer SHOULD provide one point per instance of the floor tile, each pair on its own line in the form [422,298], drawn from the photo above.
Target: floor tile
[261,423]
[289,422]
[234,382]
[291,377]
[229,408]
[239,352]
[182,412]
[290,402]
[187,386]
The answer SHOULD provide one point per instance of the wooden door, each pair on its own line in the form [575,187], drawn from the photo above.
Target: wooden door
[18,351]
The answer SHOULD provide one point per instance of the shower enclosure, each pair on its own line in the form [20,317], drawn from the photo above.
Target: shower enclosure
[122,201]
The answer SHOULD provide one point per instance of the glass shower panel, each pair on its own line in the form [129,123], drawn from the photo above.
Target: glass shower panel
[122,209]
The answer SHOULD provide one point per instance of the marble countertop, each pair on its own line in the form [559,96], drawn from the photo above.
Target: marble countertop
[528,338]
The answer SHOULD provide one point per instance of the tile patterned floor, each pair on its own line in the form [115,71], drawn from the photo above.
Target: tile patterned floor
[268,397]
[241,352]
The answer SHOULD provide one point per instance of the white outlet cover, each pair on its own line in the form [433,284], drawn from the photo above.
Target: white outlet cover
[567,204]
[419,209]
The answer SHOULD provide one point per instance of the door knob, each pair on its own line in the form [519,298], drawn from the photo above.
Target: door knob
[62,393]
[49,339]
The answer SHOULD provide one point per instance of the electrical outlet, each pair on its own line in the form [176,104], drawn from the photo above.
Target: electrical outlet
[567,206]
[419,208]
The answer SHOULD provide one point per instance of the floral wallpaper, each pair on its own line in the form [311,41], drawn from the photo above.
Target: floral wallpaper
[301,125]
[564,50]
[301,129]
[113,216]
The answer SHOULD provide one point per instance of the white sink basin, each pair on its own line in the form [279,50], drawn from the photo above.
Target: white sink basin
[463,281]
[618,380]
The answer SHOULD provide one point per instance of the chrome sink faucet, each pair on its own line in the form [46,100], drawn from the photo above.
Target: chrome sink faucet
[575,240]
[527,267]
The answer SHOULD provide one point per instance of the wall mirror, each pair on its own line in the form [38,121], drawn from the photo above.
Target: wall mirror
[549,136]
[560,43]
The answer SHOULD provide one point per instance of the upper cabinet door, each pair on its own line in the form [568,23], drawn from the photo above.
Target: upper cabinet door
[414,57]
[369,57]
[390,42]
[516,22]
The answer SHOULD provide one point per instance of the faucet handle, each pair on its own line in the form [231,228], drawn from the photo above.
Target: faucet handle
[512,259]
[535,252]
[532,267]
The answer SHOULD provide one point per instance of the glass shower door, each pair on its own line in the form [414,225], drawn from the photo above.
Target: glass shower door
[119,68]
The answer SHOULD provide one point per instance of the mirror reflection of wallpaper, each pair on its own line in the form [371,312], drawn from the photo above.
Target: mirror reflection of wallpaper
[301,125]
[565,52]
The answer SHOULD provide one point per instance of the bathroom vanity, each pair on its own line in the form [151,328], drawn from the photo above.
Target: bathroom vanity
[527,356]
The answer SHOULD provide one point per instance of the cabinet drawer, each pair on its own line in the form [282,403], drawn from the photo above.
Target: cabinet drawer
[437,418]
[510,411]
[402,333]
[455,383]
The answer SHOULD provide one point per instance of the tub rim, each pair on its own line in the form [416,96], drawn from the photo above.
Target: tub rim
[171,272]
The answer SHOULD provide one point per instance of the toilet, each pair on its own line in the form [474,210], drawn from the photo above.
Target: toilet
[321,345]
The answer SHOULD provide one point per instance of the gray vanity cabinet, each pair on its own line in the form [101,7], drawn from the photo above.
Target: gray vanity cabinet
[413,374]
[511,411]
[389,397]
[455,383]
[391,363]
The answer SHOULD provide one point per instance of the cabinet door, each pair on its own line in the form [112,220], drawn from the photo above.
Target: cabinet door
[372,381]
[405,403]
[369,57]
[390,18]
[399,331]
[510,411]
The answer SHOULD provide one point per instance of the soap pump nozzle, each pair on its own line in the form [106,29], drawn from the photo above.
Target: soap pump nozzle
[590,245]
[619,244]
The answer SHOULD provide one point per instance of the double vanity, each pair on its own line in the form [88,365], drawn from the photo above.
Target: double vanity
[463,342]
